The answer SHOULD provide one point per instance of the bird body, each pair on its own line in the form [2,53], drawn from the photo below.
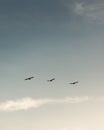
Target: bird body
[74,82]
[29,78]
[51,80]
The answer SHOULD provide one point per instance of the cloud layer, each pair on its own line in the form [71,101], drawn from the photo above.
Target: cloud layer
[90,11]
[28,103]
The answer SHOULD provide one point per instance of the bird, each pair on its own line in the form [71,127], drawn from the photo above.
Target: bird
[74,82]
[29,78]
[51,80]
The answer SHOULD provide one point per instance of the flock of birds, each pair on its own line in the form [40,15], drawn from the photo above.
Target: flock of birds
[50,80]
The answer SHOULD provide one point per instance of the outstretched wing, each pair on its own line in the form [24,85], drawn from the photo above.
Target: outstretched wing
[76,82]
[52,79]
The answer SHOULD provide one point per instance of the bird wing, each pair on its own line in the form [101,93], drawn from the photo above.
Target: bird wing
[29,78]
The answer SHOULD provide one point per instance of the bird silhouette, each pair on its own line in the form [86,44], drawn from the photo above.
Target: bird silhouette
[74,82]
[29,78]
[51,80]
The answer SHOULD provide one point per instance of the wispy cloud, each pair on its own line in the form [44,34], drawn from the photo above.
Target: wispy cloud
[91,12]
[27,103]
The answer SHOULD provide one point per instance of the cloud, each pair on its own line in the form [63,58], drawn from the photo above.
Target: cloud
[92,12]
[22,104]
[28,103]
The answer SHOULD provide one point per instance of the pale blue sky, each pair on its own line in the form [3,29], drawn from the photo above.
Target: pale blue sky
[45,39]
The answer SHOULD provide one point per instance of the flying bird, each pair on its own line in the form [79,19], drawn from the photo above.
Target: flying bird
[51,80]
[74,82]
[29,78]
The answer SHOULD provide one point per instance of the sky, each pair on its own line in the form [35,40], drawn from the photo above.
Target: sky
[61,39]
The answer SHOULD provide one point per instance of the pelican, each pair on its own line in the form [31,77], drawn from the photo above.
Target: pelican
[29,78]
[51,80]
[74,82]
